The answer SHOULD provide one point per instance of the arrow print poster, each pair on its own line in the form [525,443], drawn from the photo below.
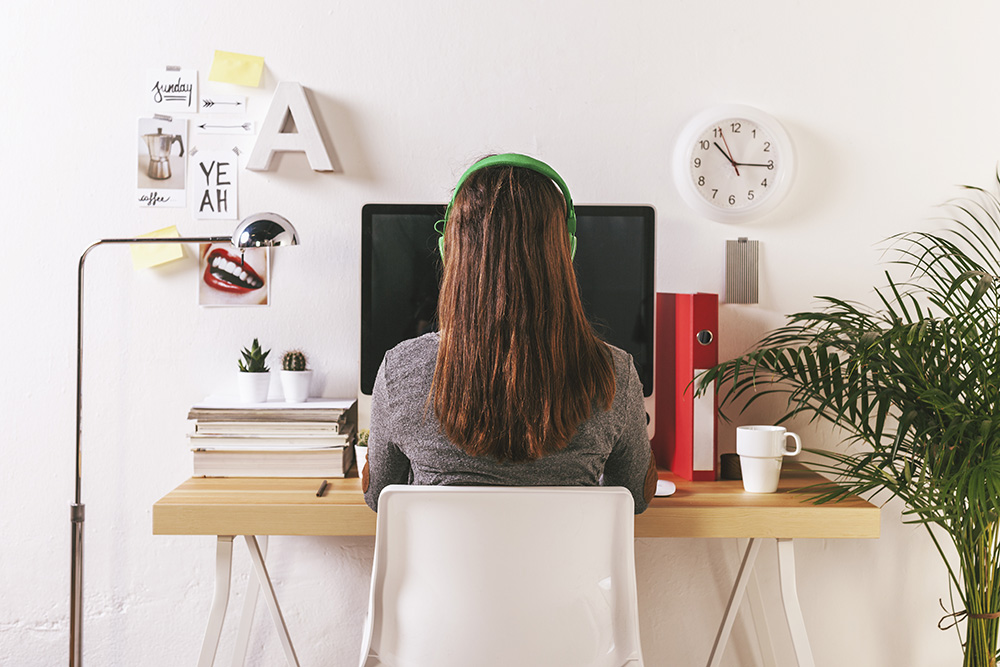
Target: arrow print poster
[161,162]
[223,104]
[222,125]
[214,178]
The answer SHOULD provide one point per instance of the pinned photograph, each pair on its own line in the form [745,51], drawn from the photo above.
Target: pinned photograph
[227,277]
[161,162]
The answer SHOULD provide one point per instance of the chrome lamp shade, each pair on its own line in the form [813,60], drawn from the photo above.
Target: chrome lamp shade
[264,229]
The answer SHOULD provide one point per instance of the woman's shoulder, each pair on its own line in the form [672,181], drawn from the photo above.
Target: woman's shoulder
[620,358]
[626,377]
[414,352]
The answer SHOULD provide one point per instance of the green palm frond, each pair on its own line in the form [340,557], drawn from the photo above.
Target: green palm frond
[914,383]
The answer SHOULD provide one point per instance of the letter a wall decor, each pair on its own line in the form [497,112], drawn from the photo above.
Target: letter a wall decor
[290,102]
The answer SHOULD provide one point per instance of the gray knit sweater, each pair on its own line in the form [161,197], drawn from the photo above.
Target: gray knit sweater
[406,445]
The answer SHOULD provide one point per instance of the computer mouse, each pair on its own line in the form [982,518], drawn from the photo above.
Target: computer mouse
[664,487]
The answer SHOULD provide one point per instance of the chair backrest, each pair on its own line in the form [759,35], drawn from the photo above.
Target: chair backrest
[503,576]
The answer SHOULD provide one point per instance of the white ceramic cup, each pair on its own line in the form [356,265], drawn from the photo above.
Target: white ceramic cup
[761,450]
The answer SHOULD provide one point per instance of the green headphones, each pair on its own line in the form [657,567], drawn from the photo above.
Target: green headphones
[515,160]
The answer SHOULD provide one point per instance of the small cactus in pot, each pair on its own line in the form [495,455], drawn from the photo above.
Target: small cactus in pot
[295,377]
[293,360]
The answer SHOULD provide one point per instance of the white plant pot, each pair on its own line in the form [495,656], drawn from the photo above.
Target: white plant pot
[361,455]
[253,386]
[295,385]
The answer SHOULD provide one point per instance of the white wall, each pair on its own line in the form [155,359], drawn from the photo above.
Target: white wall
[889,103]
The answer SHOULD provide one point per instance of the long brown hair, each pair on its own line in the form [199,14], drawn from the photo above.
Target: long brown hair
[519,367]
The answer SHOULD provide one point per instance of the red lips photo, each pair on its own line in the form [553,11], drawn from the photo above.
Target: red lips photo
[229,279]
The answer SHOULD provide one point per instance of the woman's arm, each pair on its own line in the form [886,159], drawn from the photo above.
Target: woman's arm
[386,463]
[649,489]
[631,463]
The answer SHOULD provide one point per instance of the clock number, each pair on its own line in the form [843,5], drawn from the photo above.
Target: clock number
[736,127]
[697,162]
[705,144]
[701,181]
[770,164]
[764,183]
[732,199]
[750,195]
[767,146]
[715,191]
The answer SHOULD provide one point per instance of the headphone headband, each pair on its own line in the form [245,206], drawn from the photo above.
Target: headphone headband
[515,160]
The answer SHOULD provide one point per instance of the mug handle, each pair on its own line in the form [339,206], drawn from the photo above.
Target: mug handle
[798,443]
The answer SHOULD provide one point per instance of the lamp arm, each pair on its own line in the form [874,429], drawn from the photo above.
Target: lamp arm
[79,320]
[77,507]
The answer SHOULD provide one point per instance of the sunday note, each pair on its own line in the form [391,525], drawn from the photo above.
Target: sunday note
[172,90]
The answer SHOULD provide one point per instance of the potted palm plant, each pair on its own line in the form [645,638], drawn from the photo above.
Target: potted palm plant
[915,385]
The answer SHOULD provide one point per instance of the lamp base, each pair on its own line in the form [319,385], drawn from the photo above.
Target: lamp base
[76,517]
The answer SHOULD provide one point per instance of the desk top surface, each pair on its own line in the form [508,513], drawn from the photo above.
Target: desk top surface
[280,506]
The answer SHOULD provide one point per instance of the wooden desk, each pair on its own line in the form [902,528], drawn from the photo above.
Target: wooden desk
[226,507]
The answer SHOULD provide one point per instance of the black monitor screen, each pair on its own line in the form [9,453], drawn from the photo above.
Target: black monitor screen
[401,272]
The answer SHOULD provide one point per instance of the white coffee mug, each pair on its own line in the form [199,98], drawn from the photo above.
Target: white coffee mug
[761,450]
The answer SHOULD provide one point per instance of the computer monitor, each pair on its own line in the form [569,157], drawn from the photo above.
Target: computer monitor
[401,272]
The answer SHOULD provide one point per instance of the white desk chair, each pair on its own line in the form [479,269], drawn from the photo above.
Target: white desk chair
[503,576]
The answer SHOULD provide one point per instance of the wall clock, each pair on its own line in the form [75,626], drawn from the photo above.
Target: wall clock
[733,163]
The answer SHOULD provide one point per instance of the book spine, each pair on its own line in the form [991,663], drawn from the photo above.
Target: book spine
[253,464]
[250,416]
[266,443]
[268,428]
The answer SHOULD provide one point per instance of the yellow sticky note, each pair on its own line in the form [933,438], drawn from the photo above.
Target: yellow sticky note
[236,68]
[146,255]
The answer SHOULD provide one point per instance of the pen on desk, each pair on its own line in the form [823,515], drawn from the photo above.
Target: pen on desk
[322,489]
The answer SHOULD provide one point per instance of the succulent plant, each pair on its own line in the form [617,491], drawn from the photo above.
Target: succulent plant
[293,360]
[255,359]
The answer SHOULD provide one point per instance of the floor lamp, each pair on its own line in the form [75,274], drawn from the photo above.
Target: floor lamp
[262,230]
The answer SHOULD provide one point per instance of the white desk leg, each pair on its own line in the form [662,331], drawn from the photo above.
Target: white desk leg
[249,607]
[271,600]
[760,624]
[749,557]
[790,598]
[223,570]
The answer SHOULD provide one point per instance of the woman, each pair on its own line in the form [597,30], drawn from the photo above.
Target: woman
[515,389]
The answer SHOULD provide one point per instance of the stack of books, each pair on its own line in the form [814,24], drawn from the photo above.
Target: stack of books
[273,439]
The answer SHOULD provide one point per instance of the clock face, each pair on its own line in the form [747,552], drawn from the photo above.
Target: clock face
[733,163]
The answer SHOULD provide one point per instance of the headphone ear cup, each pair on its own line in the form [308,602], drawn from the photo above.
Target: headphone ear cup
[441,247]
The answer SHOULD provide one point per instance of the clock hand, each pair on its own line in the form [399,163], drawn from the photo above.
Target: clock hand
[731,161]
[752,164]
[729,152]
